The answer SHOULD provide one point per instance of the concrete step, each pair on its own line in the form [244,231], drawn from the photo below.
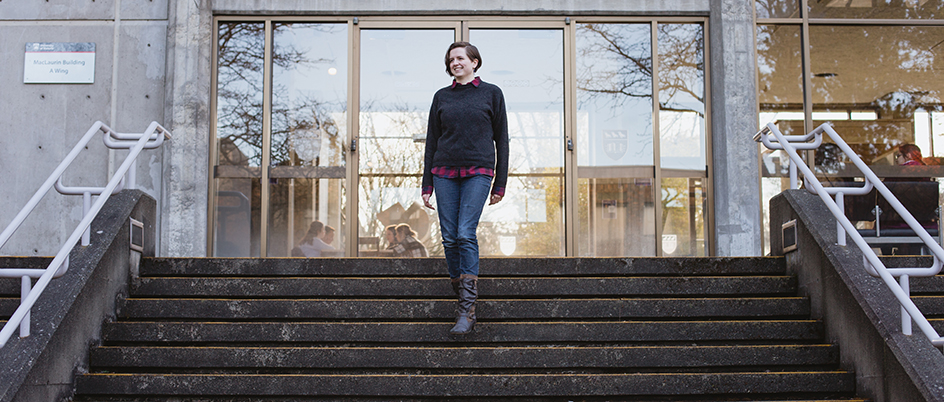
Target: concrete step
[564,266]
[492,308]
[8,305]
[120,358]
[491,385]
[293,329]
[419,332]
[929,305]
[440,287]
[927,285]
[715,398]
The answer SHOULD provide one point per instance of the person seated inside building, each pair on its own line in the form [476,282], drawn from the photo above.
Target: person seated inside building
[390,236]
[919,195]
[312,245]
[407,244]
[328,236]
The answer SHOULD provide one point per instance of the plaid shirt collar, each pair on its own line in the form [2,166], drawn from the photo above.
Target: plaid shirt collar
[475,82]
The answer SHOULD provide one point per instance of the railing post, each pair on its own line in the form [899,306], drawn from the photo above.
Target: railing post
[840,231]
[905,318]
[24,291]
[86,205]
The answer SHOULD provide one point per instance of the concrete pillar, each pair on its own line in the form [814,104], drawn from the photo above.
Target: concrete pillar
[186,164]
[737,229]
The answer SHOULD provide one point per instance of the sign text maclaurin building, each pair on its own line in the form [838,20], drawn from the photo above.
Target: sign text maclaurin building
[59,63]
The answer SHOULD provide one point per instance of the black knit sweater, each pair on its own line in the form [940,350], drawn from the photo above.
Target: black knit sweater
[468,128]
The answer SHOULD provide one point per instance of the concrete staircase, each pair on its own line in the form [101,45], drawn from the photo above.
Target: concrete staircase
[549,329]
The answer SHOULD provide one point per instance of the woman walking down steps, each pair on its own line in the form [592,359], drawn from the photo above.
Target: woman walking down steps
[466,154]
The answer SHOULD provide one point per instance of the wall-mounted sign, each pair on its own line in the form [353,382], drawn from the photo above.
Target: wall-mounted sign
[59,63]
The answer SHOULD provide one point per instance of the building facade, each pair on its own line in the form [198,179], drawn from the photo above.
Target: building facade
[630,122]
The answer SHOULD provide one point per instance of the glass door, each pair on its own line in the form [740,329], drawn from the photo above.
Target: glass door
[616,184]
[641,141]
[279,158]
[528,65]
[400,70]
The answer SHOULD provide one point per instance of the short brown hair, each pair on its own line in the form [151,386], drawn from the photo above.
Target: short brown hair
[470,50]
[406,229]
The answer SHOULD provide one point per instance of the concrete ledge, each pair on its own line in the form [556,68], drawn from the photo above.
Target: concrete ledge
[68,317]
[858,311]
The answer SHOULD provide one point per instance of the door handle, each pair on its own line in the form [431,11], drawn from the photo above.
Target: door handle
[570,144]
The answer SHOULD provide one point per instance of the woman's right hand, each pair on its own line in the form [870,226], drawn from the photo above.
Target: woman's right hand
[426,198]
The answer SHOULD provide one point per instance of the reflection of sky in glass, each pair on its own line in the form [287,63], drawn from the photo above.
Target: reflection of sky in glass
[614,95]
[528,65]
[401,69]
[309,98]
[400,72]
[682,139]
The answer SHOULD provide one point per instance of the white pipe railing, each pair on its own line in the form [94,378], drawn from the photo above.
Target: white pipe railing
[153,137]
[873,265]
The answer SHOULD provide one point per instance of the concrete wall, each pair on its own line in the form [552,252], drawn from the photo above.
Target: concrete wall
[40,123]
[178,34]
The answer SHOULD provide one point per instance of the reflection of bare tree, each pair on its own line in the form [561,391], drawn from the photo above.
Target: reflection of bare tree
[777,8]
[616,64]
[682,68]
[241,60]
[241,68]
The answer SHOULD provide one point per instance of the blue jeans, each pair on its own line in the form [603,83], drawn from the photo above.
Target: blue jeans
[460,202]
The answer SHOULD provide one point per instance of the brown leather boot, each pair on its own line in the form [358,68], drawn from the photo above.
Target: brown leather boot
[468,293]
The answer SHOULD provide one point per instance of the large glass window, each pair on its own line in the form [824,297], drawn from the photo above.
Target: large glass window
[877,82]
[323,124]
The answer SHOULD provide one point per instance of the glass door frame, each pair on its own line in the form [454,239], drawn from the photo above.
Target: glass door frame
[462,25]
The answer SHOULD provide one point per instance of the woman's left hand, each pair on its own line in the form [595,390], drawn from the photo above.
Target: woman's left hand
[494,199]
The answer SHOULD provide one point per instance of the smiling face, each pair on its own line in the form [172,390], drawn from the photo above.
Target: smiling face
[461,66]
[390,236]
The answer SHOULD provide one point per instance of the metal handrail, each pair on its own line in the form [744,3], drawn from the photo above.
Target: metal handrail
[872,263]
[153,137]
